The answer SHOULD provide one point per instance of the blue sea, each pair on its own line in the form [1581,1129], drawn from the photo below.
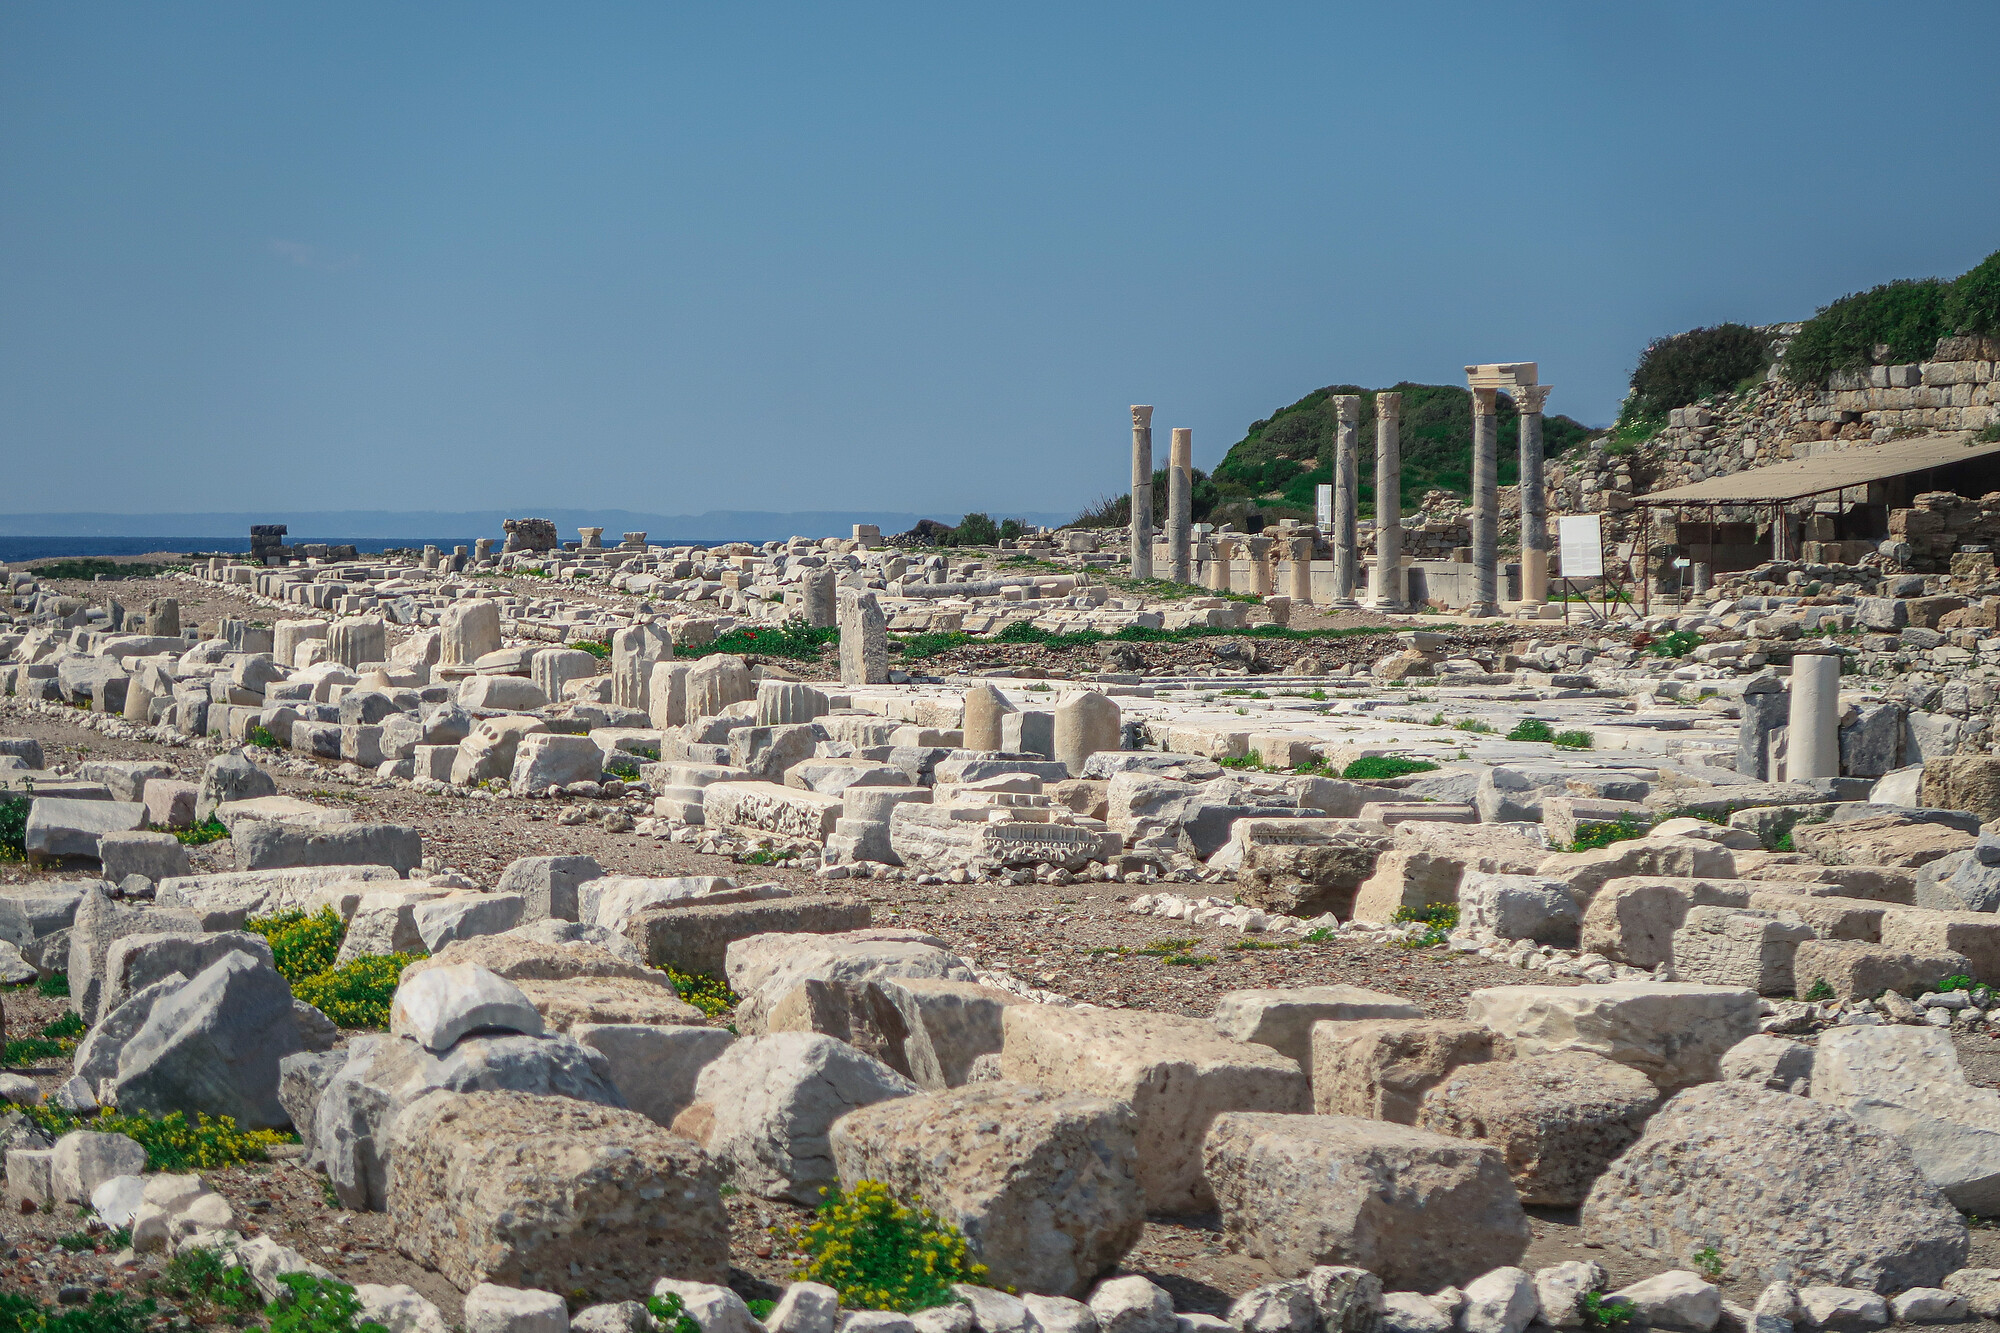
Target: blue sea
[13,549]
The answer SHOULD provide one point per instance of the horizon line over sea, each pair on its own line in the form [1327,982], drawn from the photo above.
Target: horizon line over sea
[14,550]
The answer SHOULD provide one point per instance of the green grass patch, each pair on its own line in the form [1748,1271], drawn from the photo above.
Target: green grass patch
[311,1304]
[57,1040]
[1533,729]
[172,1142]
[1439,919]
[54,986]
[356,994]
[106,1312]
[1577,739]
[208,1287]
[794,639]
[209,830]
[262,738]
[1376,767]
[1679,643]
[90,568]
[1626,827]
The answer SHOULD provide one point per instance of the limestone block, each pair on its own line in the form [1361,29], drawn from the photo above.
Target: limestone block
[1520,907]
[548,884]
[1408,877]
[696,939]
[764,1105]
[214,1046]
[1673,1033]
[264,844]
[1907,1082]
[948,1025]
[554,761]
[1283,1019]
[1856,969]
[1587,872]
[1727,946]
[655,1066]
[488,751]
[1778,1063]
[1975,935]
[547,1192]
[1419,1210]
[1557,1119]
[59,827]
[1380,1069]
[1177,1074]
[1043,1183]
[770,808]
[1782,1188]
[82,1161]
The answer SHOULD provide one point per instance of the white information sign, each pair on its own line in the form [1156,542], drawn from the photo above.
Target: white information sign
[1582,541]
[1326,508]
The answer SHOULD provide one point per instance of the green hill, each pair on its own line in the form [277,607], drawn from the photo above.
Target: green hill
[1281,459]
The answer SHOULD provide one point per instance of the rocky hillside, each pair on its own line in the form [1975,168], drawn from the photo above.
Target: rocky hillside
[1282,458]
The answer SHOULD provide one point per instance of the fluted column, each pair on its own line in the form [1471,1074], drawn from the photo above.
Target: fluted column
[1534,497]
[1142,492]
[1388,587]
[1260,565]
[1485,503]
[1180,502]
[1218,565]
[1346,496]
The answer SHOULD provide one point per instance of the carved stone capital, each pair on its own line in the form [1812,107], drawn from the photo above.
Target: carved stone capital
[1348,406]
[1530,397]
[1485,402]
[1142,417]
[1389,405]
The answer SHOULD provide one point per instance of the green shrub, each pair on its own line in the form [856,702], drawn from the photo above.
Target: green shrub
[14,827]
[972,530]
[1375,767]
[670,1313]
[600,651]
[318,1305]
[1600,1311]
[1441,918]
[1578,739]
[171,1141]
[710,994]
[794,639]
[263,739]
[1532,729]
[1818,991]
[91,566]
[1682,367]
[107,1312]
[215,1287]
[622,765]
[882,1254]
[356,994]
[1974,303]
[209,830]
[302,946]
[1909,316]
[1679,643]
[54,986]
[1626,827]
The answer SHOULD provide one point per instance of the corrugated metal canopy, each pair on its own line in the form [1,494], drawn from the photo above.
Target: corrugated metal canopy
[1827,472]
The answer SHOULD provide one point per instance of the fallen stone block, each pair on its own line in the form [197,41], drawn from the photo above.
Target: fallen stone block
[770,808]
[1782,1189]
[214,1046]
[655,1067]
[696,939]
[1907,1082]
[1729,946]
[548,1192]
[1283,1019]
[263,845]
[441,1004]
[1520,907]
[1674,1034]
[225,901]
[154,856]
[764,1105]
[1558,1120]
[1419,1210]
[1973,935]
[548,884]
[442,922]
[1885,840]
[1854,969]
[1042,1183]
[82,1160]
[1176,1073]
[58,827]
[1380,1069]
[948,1025]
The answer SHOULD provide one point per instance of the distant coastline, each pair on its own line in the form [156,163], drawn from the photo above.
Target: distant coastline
[14,550]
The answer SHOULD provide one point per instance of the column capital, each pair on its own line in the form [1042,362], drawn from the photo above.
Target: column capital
[1530,397]
[1142,417]
[1388,404]
[1485,402]
[1348,406]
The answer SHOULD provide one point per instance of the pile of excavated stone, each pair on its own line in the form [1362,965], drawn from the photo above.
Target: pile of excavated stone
[1763,906]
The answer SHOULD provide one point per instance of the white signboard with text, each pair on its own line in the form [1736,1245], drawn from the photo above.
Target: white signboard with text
[1581,538]
[1326,508]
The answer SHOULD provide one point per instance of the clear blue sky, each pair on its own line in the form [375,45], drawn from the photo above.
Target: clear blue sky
[676,257]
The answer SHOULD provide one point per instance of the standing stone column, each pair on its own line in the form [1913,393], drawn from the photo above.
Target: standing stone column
[1813,729]
[1085,724]
[1180,503]
[1142,492]
[1388,585]
[864,639]
[1260,565]
[1224,549]
[1534,497]
[1485,503]
[1765,704]
[985,706]
[1301,589]
[1346,495]
[819,585]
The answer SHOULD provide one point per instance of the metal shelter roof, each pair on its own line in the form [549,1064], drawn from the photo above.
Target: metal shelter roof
[1832,471]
